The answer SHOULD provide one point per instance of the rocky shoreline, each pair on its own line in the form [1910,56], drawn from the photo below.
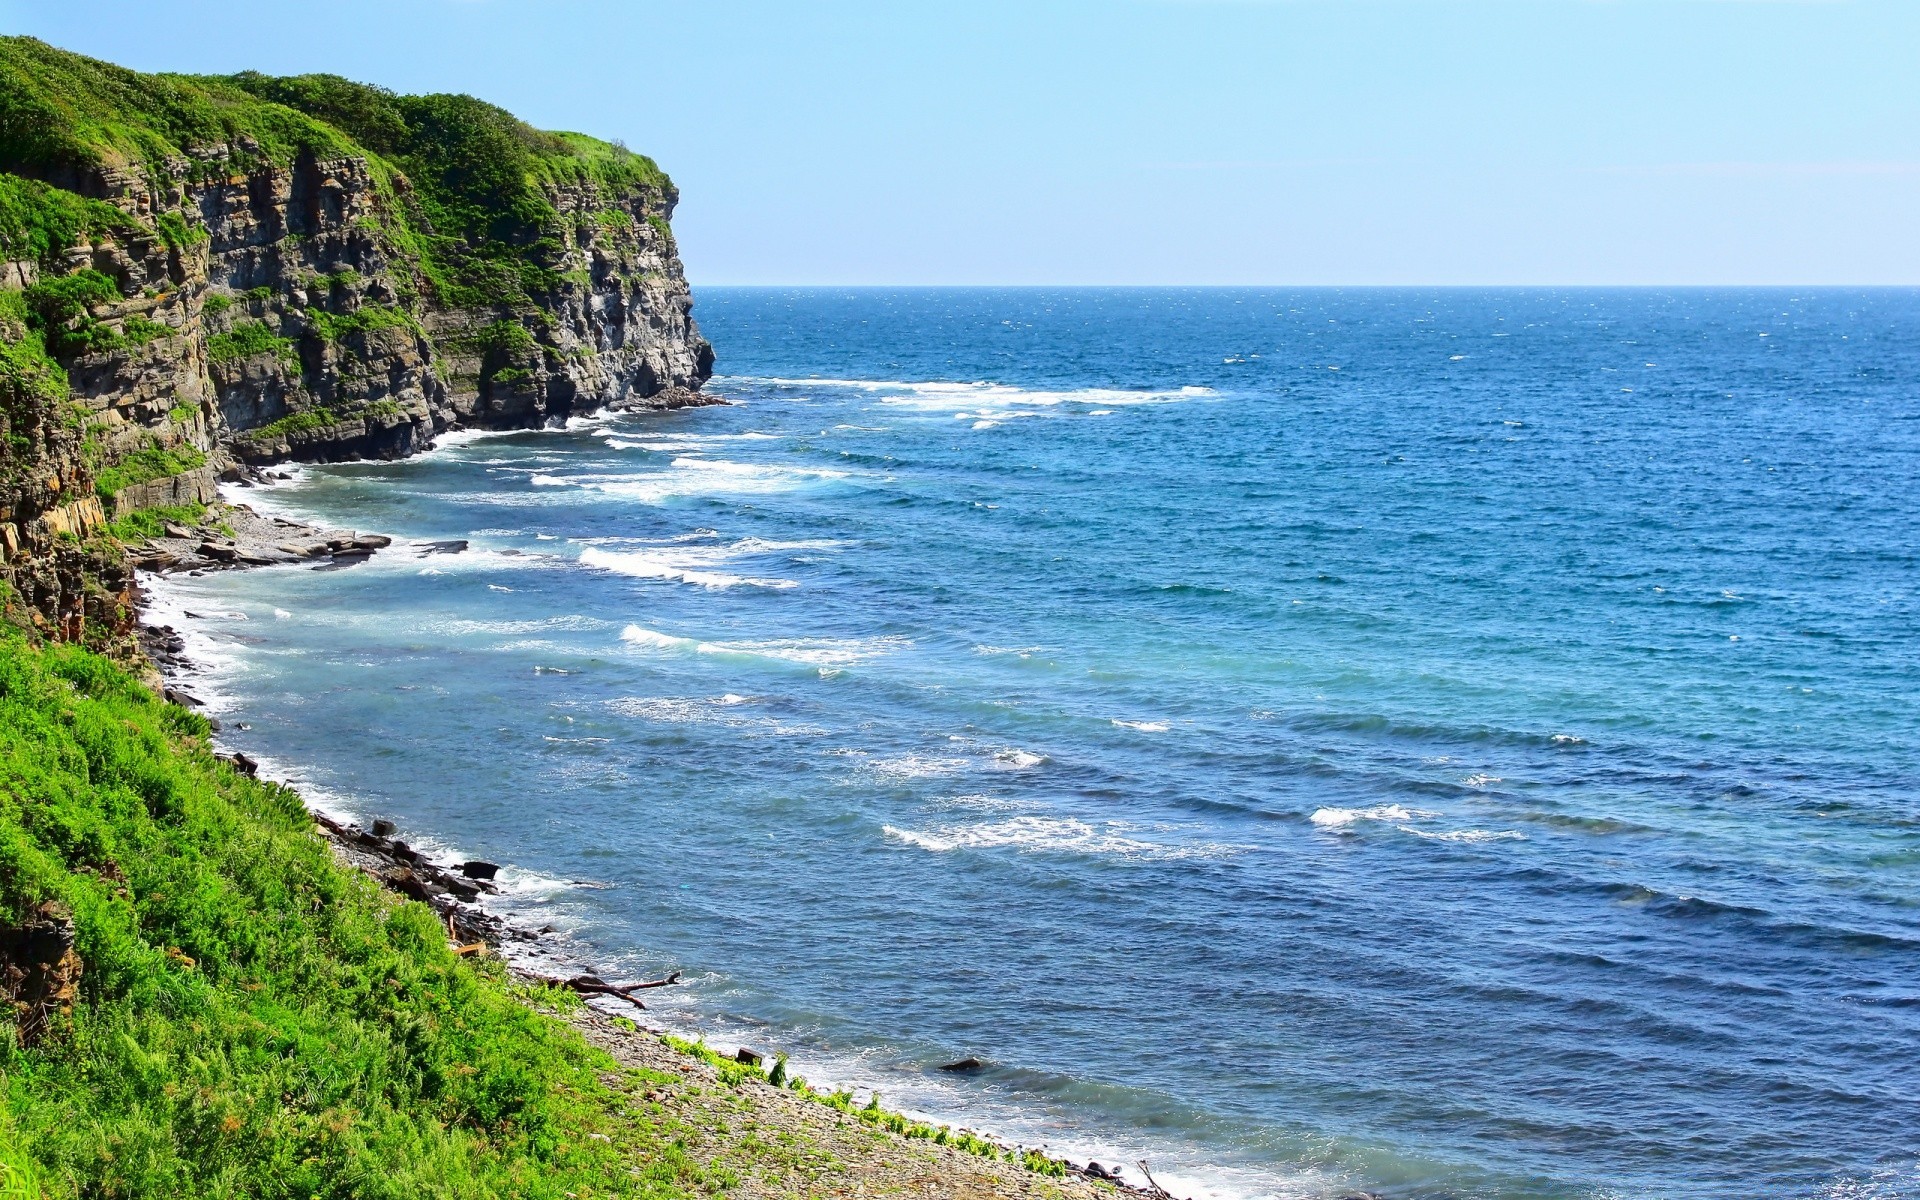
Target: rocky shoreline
[235,537]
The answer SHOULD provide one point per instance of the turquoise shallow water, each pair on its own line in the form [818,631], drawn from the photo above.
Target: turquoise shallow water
[1459,744]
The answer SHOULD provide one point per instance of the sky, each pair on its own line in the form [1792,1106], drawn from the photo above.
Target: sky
[1282,142]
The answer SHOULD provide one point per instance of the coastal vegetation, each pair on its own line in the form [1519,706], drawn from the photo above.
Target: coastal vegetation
[232,1012]
[210,1004]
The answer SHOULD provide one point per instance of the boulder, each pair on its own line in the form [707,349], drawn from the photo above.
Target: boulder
[39,969]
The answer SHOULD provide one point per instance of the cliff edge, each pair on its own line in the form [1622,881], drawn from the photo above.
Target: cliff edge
[199,274]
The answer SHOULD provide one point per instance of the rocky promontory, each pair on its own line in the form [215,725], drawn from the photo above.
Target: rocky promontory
[201,276]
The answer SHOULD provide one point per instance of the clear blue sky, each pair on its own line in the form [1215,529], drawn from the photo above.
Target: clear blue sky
[1173,141]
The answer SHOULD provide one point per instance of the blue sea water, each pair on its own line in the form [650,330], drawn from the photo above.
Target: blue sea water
[1449,743]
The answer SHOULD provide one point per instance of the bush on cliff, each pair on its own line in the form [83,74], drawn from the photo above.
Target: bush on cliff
[253,1019]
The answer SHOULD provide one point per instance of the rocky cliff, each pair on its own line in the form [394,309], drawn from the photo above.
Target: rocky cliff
[203,274]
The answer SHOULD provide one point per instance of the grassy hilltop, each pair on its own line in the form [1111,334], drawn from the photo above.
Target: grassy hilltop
[468,185]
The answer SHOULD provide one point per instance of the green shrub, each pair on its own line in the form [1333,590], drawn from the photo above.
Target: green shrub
[28,374]
[138,330]
[37,222]
[216,303]
[300,422]
[144,466]
[144,523]
[332,327]
[249,338]
[61,308]
[176,233]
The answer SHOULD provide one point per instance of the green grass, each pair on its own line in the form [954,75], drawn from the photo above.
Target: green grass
[256,1020]
[249,338]
[144,466]
[37,222]
[28,374]
[300,422]
[332,327]
[144,523]
[176,233]
[62,310]
[63,110]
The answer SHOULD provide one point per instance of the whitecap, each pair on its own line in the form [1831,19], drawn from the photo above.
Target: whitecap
[816,652]
[948,396]
[1141,726]
[571,621]
[689,477]
[1018,760]
[1037,834]
[918,766]
[670,567]
[1340,818]
[1472,836]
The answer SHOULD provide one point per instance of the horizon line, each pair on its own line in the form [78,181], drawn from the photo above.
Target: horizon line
[1590,287]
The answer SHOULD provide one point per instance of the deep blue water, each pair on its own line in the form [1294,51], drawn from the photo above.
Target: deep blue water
[1455,743]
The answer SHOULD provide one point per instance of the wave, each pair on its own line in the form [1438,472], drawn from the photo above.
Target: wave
[689,477]
[680,567]
[946,396]
[814,652]
[677,710]
[1402,818]
[1341,818]
[1140,726]
[573,621]
[1470,836]
[1055,835]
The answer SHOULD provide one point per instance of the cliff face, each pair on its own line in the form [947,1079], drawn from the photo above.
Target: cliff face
[201,274]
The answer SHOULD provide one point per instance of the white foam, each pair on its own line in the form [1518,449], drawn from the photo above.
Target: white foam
[1017,651]
[947,395]
[674,710]
[1141,726]
[1018,760]
[919,766]
[1053,835]
[694,477]
[572,621]
[1471,836]
[1402,818]
[1340,818]
[820,652]
[675,568]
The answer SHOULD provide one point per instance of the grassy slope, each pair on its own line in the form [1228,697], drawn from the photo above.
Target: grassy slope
[256,1020]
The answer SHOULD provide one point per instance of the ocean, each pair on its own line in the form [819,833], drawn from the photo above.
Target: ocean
[1448,743]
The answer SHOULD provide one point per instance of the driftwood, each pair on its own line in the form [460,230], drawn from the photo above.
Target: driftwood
[1153,1187]
[593,985]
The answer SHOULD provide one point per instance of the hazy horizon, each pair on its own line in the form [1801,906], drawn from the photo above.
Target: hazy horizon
[1417,143]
